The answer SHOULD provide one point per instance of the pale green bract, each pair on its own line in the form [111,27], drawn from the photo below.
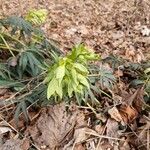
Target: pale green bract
[60,73]
[36,17]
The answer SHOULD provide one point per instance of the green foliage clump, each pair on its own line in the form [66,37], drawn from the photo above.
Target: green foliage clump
[36,17]
[28,51]
[69,74]
[25,45]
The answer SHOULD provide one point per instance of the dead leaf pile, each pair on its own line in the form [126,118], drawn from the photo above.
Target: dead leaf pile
[128,111]
[55,126]
[113,26]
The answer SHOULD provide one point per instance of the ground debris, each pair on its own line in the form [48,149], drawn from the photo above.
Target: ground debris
[55,126]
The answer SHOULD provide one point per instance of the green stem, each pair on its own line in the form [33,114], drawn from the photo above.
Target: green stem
[94,75]
[13,49]
[147,80]
[13,38]
[7,45]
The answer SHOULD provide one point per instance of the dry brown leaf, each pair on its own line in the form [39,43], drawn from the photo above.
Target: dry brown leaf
[54,127]
[130,54]
[112,129]
[138,100]
[118,73]
[80,134]
[101,117]
[128,113]
[117,35]
[79,147]
[114,113]
[15,145]
[100,129]
[25,145]
[105,146]
[125,146]
[135,100]
[3,91]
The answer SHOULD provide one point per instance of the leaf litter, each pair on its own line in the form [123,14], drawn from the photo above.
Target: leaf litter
[114,27]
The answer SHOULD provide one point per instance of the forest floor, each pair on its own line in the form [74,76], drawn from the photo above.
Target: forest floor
[109,27]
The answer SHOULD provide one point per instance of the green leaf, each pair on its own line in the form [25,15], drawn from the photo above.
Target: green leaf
[24,110]
[80,89]
[146,71]
[80,68]
[70,73]
[23,61]
[105,77]
[10,83]
[83,80]
[78,98]
[59,90]
[4,71]
[70,88]
[18,23]
[137,82]
[74,75]
[60,73]
[31,63]
[52,86]
[93,98]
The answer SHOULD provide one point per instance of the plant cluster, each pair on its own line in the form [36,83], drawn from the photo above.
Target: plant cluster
[69,74]
[40,73]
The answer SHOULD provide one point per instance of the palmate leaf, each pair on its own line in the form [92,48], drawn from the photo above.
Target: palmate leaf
[30,61]
[37,96]
[51,46]
[21,107]
[33,64]
[23,61]
[114,61]
[4,71]
[18,23]
[106,78]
